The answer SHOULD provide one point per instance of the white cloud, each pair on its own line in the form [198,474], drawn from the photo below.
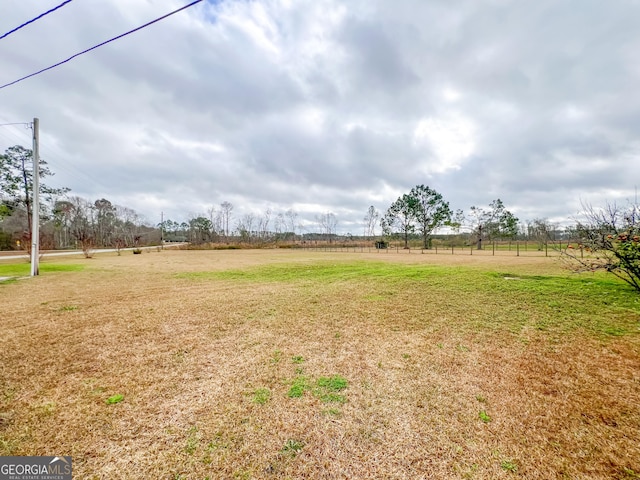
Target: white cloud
[450,94]
[451,141]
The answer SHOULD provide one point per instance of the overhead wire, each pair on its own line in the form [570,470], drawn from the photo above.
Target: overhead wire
[59,163]
[15,137]
[49,151]
[14,123]
[64,165]
[101,44]
[36,18]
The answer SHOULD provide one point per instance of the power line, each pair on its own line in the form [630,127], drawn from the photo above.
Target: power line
[34,19]
[101,44]
[15,135]
[55,157]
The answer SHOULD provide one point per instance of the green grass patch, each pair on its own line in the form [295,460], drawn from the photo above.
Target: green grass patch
[193,440]
[509,466]
[261,396]
[324,272]
[68,308]
[329,397]
[475,298]
[277,355]
[484,416]
[327,389]
[24,269]
[115,399]
[292,447]
[334,412]
[333,384]
[630,474]
[298,387]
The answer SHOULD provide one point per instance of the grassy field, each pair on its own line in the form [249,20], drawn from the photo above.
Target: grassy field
[283,364]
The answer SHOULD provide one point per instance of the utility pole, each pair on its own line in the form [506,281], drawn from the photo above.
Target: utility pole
[35,215]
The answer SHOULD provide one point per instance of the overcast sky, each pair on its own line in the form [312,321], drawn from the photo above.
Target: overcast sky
[330,106]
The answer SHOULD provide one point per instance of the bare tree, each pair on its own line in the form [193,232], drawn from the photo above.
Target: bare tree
[263,224]
[328,223]
[217,224]
[370,221]
[245,227]
[128,225]
[332,225]
[227,208]
[540,230]
[280,225]
[82,224]
[612,235]
[215,220]
[62,215]
[292,218]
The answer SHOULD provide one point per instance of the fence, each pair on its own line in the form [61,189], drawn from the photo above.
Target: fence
[515,248]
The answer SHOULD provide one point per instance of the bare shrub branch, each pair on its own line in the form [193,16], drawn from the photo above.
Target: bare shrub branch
[611,236]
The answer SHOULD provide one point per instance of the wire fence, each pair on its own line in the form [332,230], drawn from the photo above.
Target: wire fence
[515,248]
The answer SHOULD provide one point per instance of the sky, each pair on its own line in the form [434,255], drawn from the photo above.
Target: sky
[330,106]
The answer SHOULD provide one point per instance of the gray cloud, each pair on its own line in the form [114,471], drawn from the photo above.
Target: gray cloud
[331,106]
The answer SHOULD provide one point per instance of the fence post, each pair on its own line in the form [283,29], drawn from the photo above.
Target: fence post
[494,248]
[452,249]
[517,249]
[546,247]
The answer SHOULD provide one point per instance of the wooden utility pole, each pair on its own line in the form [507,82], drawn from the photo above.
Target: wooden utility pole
[35,206]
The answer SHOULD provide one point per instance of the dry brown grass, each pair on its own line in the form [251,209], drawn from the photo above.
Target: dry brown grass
[189,354]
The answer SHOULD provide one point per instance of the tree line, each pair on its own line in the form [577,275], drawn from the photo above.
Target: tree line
[66,221]
[611,233]
[72,221]
[219,225]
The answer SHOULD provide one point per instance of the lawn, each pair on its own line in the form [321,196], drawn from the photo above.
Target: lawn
[286,364]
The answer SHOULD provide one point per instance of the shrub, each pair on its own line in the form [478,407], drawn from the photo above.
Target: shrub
[611,236]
